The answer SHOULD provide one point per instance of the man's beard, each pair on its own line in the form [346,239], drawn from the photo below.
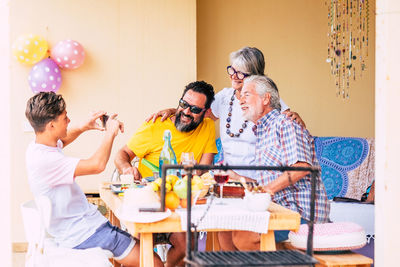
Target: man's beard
[182,127]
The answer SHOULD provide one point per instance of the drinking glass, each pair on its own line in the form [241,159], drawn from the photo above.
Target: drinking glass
[221,177]
[187,158]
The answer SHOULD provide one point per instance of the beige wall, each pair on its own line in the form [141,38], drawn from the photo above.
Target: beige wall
[293,38]
[140,54]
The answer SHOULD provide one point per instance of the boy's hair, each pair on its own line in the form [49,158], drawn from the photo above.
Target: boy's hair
[43,108]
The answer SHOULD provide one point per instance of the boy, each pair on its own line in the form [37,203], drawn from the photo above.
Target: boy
[74,222]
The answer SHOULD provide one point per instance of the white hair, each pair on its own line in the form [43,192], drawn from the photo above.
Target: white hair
[250,59]
[265,85]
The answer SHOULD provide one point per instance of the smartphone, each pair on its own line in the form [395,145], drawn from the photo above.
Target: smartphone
[104,119]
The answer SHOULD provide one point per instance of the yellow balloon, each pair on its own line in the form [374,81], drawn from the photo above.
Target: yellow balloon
[29,49]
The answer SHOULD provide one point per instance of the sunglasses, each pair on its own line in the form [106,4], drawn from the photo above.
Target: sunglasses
[194,109]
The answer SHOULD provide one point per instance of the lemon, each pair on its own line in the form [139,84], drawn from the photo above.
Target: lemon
[168,187]
[172,179]
[155,186]
[158,181]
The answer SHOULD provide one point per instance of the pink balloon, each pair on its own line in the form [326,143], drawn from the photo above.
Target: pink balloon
[45,76]
[68,54]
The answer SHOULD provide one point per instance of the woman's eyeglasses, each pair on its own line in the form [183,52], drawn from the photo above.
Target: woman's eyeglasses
[194,109]
[240,75]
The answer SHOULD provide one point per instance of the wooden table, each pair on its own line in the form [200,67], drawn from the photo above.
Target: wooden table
[280,219]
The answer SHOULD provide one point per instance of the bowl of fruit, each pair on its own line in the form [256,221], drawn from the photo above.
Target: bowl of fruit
[257,199]
[176,190]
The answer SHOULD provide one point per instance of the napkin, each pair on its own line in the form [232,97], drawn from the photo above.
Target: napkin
[232,216]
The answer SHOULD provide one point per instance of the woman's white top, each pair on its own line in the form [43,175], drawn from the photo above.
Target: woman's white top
[237,150]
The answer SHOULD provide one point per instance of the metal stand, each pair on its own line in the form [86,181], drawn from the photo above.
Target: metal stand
[242,258]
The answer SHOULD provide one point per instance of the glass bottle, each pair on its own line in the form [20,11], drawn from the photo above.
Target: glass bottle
[167,155]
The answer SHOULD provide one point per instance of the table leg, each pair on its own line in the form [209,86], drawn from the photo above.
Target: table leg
[212,243]
[146,250]
[267,242]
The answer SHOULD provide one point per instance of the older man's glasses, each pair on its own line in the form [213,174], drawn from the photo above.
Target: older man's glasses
[240,75]
[194,109]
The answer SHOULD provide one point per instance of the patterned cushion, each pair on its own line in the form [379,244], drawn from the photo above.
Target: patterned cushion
[330,236]
[347,165]
[220,156]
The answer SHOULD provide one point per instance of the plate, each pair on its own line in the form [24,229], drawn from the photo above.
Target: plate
[120,188]
[148,179]
[141,217]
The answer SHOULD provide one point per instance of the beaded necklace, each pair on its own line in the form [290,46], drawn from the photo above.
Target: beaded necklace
[228,120]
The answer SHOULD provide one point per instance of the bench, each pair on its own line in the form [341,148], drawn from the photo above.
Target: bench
[342,260]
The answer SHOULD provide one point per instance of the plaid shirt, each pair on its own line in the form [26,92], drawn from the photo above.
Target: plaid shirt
[281,141]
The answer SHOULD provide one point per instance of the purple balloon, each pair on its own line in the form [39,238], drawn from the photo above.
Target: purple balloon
[45,76]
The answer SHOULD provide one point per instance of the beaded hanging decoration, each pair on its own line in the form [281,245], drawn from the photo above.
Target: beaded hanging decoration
[229,119]
[348,29]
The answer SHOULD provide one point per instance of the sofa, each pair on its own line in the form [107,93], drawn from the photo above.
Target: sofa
[347,165]
[347,170]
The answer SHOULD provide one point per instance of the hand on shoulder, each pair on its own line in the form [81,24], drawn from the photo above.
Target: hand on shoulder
[294,116]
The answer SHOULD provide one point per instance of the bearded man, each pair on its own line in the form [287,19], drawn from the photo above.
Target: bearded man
[190,131]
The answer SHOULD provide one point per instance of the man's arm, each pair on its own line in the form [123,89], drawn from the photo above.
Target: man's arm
[234,176]
[206,159]
[287,178]
[98,161]
[90,124]
[123,162]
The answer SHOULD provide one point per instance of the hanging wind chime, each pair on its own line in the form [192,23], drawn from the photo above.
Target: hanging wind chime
[348,28]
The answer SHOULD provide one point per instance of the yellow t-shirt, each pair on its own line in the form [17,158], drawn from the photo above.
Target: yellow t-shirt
[148,141]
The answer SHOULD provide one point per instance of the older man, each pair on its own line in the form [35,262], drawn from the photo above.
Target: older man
[280,141]
[190,133]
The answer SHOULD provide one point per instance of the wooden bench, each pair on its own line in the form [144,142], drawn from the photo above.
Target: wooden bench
[344,259]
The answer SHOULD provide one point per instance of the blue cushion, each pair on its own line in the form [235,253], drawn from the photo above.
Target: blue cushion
[337,156]
[220,156]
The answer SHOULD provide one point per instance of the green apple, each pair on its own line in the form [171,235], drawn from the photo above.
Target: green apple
[180,188]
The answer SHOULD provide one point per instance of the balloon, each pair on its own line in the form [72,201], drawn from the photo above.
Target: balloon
[68,54]
[45,76]
[29,49]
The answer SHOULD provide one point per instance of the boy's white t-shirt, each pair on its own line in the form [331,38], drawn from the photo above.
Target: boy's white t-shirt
[51,173]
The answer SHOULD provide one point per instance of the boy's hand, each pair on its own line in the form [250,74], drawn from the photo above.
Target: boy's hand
[113,125]
[92,122]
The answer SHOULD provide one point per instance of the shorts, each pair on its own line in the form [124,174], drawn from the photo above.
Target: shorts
[111,238]
[161,238]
